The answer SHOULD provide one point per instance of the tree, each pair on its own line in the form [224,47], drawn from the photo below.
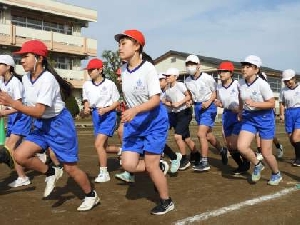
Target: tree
[112,62]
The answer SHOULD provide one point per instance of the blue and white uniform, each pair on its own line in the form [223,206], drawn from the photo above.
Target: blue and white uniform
[229,97]
[181,116]
[291,100]
[56,128]
[102,95]
[202,89]
[148,130]
[17,123]
[254,119]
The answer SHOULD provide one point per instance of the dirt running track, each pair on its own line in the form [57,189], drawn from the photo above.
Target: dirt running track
[193,194]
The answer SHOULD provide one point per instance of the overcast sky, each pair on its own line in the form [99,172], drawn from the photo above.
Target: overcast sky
[225,29]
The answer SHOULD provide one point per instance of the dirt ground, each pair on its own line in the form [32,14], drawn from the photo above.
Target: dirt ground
[193,193]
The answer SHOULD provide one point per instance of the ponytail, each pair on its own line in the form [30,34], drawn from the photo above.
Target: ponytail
[13,72]
[147,57]
[65,86]
[260,74]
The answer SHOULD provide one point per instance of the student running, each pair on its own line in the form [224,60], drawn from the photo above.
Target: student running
[145,120]
[257,103]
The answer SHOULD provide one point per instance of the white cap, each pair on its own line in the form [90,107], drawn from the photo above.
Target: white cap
[172,71]
[7,60]
[288,74]
[161,76]
[253,59]
[192,58]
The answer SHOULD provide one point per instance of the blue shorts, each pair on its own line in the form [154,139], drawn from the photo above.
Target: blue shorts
[292,119]
[205,116]
[261,121]
[18,124]
[105,124]
[148,131]
[59,134]
[231,125]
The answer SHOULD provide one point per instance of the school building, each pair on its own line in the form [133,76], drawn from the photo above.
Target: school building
[58,25]
[209,65]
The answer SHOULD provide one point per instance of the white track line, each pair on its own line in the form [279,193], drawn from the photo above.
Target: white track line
[223,210]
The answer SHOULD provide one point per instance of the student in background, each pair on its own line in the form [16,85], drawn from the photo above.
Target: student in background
[18,124]
[176,98]
[203,89]
[100,97]
[228,98]
[290,110]
[256,104]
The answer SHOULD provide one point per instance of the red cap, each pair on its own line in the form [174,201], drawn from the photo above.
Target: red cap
[35,47]
[226,66]
[135,34]
[118,72]
[94,64]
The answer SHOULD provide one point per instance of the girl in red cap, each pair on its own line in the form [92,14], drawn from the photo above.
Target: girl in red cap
[146,119]
[54,126]
[228,98]
[100,97]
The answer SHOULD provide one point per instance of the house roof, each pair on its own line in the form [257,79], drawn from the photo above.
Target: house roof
[210,60]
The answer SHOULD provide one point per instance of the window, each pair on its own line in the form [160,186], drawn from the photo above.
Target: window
[41,24]
[62,62]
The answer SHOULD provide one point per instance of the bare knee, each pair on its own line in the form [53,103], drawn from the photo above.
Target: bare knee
[70,168]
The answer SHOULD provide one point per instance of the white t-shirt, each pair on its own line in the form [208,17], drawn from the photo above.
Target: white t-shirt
[176,94]
[229,96]
[202,87]
[44,90]
[290,97]
[259,91]
[139,84]
[100,95]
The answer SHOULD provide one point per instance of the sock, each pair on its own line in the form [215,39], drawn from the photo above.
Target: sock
[259,149]
[297,149]
[275,173]
[169,152]
[277,145]
[197,156]
[259,162]
[91,194]
[50,171]
[183,157]
[237,157]
[103,169]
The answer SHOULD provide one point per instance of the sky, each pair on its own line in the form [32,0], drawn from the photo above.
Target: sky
[225,29]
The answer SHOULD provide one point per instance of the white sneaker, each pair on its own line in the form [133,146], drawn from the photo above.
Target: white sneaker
[102,177]
[20,181]
[42,156]
[279,152]
[51,180]
[88,203]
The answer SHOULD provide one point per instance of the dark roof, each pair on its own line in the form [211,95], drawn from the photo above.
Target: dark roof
[211,60]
